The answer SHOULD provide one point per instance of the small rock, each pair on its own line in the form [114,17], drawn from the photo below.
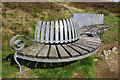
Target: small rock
[106,61]
[116,52]
[111,70]
[112,61]
[109,51]
[106,57]
[108,64]
[111,58]
[99,53]
[114,49]
[95,59]
[105,53]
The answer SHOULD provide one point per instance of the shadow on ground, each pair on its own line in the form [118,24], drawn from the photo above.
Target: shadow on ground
[32,64]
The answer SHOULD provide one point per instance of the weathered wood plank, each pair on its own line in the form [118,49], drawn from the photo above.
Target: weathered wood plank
[91,39]
[88,45]
[83,47]
[25,50]
[92,43]
[34,51]
[81,51]
[71,51]
[62,52]
[82,40]
[87,42]
[43,53]
[53,52]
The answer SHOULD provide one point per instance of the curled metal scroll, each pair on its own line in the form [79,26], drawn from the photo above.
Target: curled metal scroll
[95,32]
[17,44]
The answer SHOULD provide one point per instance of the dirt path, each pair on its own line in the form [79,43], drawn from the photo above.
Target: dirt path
[108,68]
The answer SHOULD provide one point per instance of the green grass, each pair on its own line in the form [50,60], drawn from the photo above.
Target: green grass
[111,35]
[58,70]
[13,25]
[99,58]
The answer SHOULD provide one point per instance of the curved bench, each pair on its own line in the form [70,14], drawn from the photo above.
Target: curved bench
[58,41]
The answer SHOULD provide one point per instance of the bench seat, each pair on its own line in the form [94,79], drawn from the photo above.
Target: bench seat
[61,53]
[62,40]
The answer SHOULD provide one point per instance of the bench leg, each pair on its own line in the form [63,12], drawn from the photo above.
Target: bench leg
[15,58]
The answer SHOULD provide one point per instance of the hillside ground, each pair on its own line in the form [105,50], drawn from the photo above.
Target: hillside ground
[21,18]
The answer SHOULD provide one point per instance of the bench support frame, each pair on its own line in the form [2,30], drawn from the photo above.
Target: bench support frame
[50,60]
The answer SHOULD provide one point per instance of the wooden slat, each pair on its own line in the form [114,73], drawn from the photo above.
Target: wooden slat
[38,33]
[62,52]
[53,52]
[91,39]
[84,47]
[97,43]
[72,29]
[69,29]
[43,53]
[52,32]
[25,50]
[42,32]
[78,49]
[82,40]
[71,51]
[47,31]
[94,40]
[65,28]
[61,31]
[87,44]
[92,43]
[34,51]
[56,31]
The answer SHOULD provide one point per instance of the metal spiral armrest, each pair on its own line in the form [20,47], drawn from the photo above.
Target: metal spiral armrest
[95,32]
[17,44]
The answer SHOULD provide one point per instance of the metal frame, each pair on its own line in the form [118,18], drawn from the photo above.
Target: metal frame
[50,60]
[76,20]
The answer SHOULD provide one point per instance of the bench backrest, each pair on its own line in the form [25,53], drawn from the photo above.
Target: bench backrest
[87,19]
[61,31]
[66,30]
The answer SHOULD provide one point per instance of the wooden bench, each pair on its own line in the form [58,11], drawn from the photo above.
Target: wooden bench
[59,41]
